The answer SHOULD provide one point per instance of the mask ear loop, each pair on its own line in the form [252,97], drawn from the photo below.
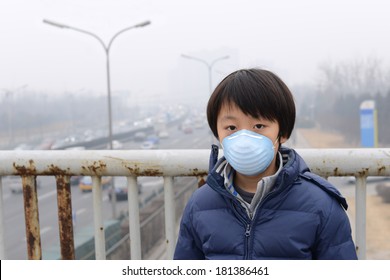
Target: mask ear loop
[277,140]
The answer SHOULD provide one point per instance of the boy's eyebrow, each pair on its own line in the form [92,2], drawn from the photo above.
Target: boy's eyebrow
[233,118]
[228,118]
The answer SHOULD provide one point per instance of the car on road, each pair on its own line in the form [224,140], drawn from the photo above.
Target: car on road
[139,136]
[148,145]
[163,134]
[75,180]
[116,145]
[153,138]
[187,130]
[85,183]
[120,186]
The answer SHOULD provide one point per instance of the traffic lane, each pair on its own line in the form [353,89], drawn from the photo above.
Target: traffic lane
[14,220]
[200,138]
[14,227]
[15,231]
[82,209]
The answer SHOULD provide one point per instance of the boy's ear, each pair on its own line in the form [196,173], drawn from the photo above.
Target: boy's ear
[283,139]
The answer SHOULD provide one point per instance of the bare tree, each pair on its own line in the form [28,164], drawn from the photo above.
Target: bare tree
[342,88]
[358,76]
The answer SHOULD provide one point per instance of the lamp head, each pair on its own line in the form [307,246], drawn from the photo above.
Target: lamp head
[142,24]
[56,24]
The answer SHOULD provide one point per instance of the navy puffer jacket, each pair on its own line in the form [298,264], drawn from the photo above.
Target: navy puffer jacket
[303,217]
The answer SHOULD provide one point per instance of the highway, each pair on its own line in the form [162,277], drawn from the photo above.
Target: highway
[15,240]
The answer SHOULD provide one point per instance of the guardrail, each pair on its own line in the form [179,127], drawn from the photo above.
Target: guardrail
[102,141]
[168,164]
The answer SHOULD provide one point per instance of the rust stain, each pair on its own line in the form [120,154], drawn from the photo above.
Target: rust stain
[26,171]
[364,172]
[196,172]
[31,217]
[65,217]
[31,245]
[147,172]
[201,181]
[27,195]
[97,167]
[57,171]
[31,170]
[382,169]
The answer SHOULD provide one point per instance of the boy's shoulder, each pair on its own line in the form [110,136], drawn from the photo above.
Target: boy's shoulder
[205,198]
[323,184]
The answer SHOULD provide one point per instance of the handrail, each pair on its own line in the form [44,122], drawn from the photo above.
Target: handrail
[359,163]
[324,162]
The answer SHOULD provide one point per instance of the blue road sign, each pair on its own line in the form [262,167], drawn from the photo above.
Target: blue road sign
[368,126]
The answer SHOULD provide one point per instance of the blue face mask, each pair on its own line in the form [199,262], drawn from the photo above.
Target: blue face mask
[249,153]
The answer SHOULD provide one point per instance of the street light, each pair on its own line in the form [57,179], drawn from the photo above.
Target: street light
[9,94]
[208,64]
[210,68]
[107,51]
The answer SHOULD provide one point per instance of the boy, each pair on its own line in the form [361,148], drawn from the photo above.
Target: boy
[260,200]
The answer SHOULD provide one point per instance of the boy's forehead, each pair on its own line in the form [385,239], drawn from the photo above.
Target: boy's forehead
[228,107]
[230,111]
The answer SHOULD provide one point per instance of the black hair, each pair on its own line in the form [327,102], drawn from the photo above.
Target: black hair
[256,92]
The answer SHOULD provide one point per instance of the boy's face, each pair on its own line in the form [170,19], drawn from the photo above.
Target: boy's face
[231,119]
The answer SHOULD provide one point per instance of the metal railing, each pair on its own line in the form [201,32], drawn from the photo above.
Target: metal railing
[168,164]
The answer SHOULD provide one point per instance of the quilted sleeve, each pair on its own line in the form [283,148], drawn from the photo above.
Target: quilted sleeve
[334,240]
[186,246]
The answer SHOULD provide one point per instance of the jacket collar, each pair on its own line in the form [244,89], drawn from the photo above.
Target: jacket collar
[293,167]
[288,173]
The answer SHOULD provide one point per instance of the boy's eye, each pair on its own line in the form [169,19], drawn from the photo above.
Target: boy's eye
[258,126]
[231,127]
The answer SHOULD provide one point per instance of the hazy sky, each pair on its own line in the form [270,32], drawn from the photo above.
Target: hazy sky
[288,37]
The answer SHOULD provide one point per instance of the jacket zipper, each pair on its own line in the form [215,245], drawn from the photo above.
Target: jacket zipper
[247,236]
[247,233]
[252,218]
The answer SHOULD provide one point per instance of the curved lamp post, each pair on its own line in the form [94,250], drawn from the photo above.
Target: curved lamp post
[210,68]
[208,64]
[107,51]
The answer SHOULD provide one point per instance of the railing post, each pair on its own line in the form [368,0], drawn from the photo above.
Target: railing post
[170,219]
[31,215]
[361,192]
[65,222]
[2,243]
[100,242]
[134,224]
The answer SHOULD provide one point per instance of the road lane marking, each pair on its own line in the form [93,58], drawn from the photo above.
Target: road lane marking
[47,195]
[86,195]
[44,230]
[80,211]
[174,142]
